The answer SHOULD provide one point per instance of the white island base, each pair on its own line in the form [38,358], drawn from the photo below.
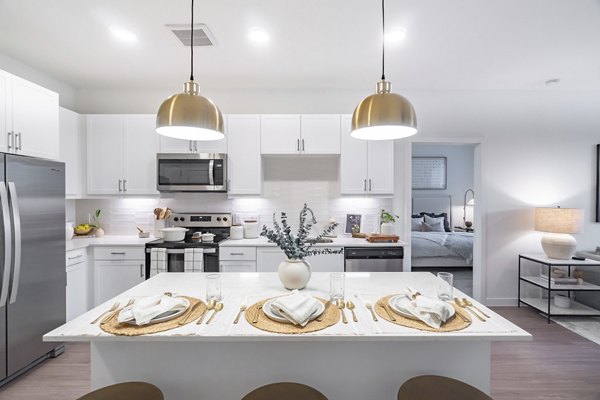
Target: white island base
[346,370]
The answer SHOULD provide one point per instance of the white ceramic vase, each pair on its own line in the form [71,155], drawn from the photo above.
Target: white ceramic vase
[99,232]
[387,228]
[70,230]
[294,274]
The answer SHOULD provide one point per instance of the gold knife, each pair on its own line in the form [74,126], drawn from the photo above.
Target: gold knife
[258,309]
[387,310]
[187,317]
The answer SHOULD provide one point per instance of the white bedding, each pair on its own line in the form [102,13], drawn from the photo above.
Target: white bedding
[442,244]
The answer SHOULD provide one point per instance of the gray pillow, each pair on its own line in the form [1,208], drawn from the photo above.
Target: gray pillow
[416,223]
[435,227]
[434,220]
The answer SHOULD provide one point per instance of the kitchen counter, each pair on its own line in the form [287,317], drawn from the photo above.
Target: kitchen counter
[381,353]
[107,240]
[342,241]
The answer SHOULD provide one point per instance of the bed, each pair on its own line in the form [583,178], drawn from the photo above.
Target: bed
[435,248]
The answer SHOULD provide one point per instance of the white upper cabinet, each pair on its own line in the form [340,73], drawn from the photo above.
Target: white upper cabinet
[28,118]
[300,134]
[121,154]
[280,134]
[5,112]
[366,167]
[141,144]
[71,149]
[243,157]
[320,134]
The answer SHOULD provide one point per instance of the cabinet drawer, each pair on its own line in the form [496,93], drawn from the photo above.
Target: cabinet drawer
[119,253]
[76,256]
[237,253]
[237,266]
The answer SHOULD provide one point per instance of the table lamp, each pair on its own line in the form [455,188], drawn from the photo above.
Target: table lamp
[558,223]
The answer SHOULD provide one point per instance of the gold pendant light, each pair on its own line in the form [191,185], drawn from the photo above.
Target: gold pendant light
[189,115]
[384,115]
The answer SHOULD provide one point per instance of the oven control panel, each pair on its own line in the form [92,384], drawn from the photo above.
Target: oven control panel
[192,220]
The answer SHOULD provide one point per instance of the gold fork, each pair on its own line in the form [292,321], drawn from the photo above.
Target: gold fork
[458,303]
[258,310]
[113,308]
[470,304]
[387,310]
[112,314]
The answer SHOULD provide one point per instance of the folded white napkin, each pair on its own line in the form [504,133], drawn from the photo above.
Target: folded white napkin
[430,310]
[296,308]
[146,308]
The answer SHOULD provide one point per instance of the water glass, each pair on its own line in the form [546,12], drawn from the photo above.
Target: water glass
[337,286]
[445,286]
[213,287]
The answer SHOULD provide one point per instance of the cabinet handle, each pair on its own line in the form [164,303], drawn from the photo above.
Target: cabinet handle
[298,145]
[302,144]
[195,146]
[73,258]
[190,145]
[120,185]
[236,254]
[124,185]
[20,136]
[365,189]
[369,184]
[118,253]
[141,270]
[9,138]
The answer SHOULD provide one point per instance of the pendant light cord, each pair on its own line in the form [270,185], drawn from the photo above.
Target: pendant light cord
[192,45]
[383,46]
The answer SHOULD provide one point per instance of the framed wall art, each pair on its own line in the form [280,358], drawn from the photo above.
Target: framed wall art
[429,173]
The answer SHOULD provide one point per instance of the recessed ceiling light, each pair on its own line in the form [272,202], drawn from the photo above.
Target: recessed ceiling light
[395,35]
[259,36]
[123,34]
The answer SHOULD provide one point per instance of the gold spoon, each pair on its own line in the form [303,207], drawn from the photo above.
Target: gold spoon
[370,308]
[351,306]
[458,303]
[211,306]
[218,308]
[340,304]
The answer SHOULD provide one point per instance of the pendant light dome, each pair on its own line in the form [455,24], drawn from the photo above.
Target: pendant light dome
[189,115]
[384,115]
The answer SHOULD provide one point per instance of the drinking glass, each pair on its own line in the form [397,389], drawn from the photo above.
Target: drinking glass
[336,288]
[445,285]
[213,287]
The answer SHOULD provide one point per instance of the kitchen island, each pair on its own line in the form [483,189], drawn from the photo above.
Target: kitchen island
[355,361]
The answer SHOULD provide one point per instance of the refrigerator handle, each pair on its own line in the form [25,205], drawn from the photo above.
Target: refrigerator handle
[14,202]
[7,243]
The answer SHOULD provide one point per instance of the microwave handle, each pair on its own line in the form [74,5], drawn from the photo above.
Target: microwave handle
[211,172]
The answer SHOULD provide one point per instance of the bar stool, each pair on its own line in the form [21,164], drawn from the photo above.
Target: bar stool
[126,391]
[285,391]
[433,387]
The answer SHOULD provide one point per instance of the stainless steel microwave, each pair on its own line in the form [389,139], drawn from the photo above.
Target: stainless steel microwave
[196,172]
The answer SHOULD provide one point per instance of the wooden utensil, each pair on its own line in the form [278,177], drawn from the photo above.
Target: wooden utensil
[163,211]
[167,213]
[157,213]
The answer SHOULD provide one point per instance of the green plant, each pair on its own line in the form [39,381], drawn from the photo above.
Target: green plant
[386,217]
[296,247]
[96,219]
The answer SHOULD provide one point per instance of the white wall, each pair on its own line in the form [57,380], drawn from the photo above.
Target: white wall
[288,183]
[459,164]
[66,92]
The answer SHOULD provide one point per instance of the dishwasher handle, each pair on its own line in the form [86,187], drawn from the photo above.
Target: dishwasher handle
[366,253]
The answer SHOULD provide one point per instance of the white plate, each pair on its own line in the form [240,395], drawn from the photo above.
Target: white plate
[276,317]
[166,316]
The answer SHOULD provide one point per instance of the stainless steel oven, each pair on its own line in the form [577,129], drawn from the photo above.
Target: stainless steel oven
[197,172]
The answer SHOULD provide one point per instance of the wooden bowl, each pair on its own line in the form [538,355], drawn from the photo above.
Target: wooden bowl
[82,232]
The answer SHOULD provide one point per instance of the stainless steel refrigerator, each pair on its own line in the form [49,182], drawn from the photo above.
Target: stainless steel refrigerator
[32,260]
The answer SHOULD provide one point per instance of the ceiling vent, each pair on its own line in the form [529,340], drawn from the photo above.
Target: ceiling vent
[202,36]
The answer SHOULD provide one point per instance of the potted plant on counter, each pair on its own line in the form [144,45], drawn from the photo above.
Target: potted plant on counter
[99,232]
[294,272]
[386,221]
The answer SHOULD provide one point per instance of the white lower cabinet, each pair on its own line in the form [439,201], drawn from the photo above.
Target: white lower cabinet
[269,258]
[117,269]
[237,259]
[237,266]
[77,283]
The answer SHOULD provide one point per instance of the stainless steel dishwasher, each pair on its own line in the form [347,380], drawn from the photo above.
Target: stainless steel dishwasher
[373,259]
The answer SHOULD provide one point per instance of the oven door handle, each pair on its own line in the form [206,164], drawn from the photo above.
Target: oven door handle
[211,172]
[182,251]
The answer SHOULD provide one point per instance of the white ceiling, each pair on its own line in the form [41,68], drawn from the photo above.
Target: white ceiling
[450,44]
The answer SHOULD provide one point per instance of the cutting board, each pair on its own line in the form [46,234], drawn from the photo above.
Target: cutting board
[377,238]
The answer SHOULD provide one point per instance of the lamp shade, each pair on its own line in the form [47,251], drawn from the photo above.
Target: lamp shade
[558,220]
[471,202]
[190,116]
[384,116]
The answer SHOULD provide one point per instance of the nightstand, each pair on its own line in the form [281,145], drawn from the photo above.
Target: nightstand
[545,305]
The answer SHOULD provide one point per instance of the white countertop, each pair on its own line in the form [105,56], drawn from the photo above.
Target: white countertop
[248,288]
[343,241]
[107,240]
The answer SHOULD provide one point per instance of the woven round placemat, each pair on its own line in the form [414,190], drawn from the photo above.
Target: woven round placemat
[113,326]
[453,324]
[331,316]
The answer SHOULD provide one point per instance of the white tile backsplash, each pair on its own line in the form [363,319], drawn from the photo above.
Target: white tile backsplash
[288,183]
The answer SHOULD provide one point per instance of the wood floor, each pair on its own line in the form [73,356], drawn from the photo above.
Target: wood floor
[556,365]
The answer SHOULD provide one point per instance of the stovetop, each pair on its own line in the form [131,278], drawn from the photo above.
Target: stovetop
[217,223]
[187,242]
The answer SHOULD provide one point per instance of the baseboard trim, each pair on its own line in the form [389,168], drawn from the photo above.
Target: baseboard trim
[501,302]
